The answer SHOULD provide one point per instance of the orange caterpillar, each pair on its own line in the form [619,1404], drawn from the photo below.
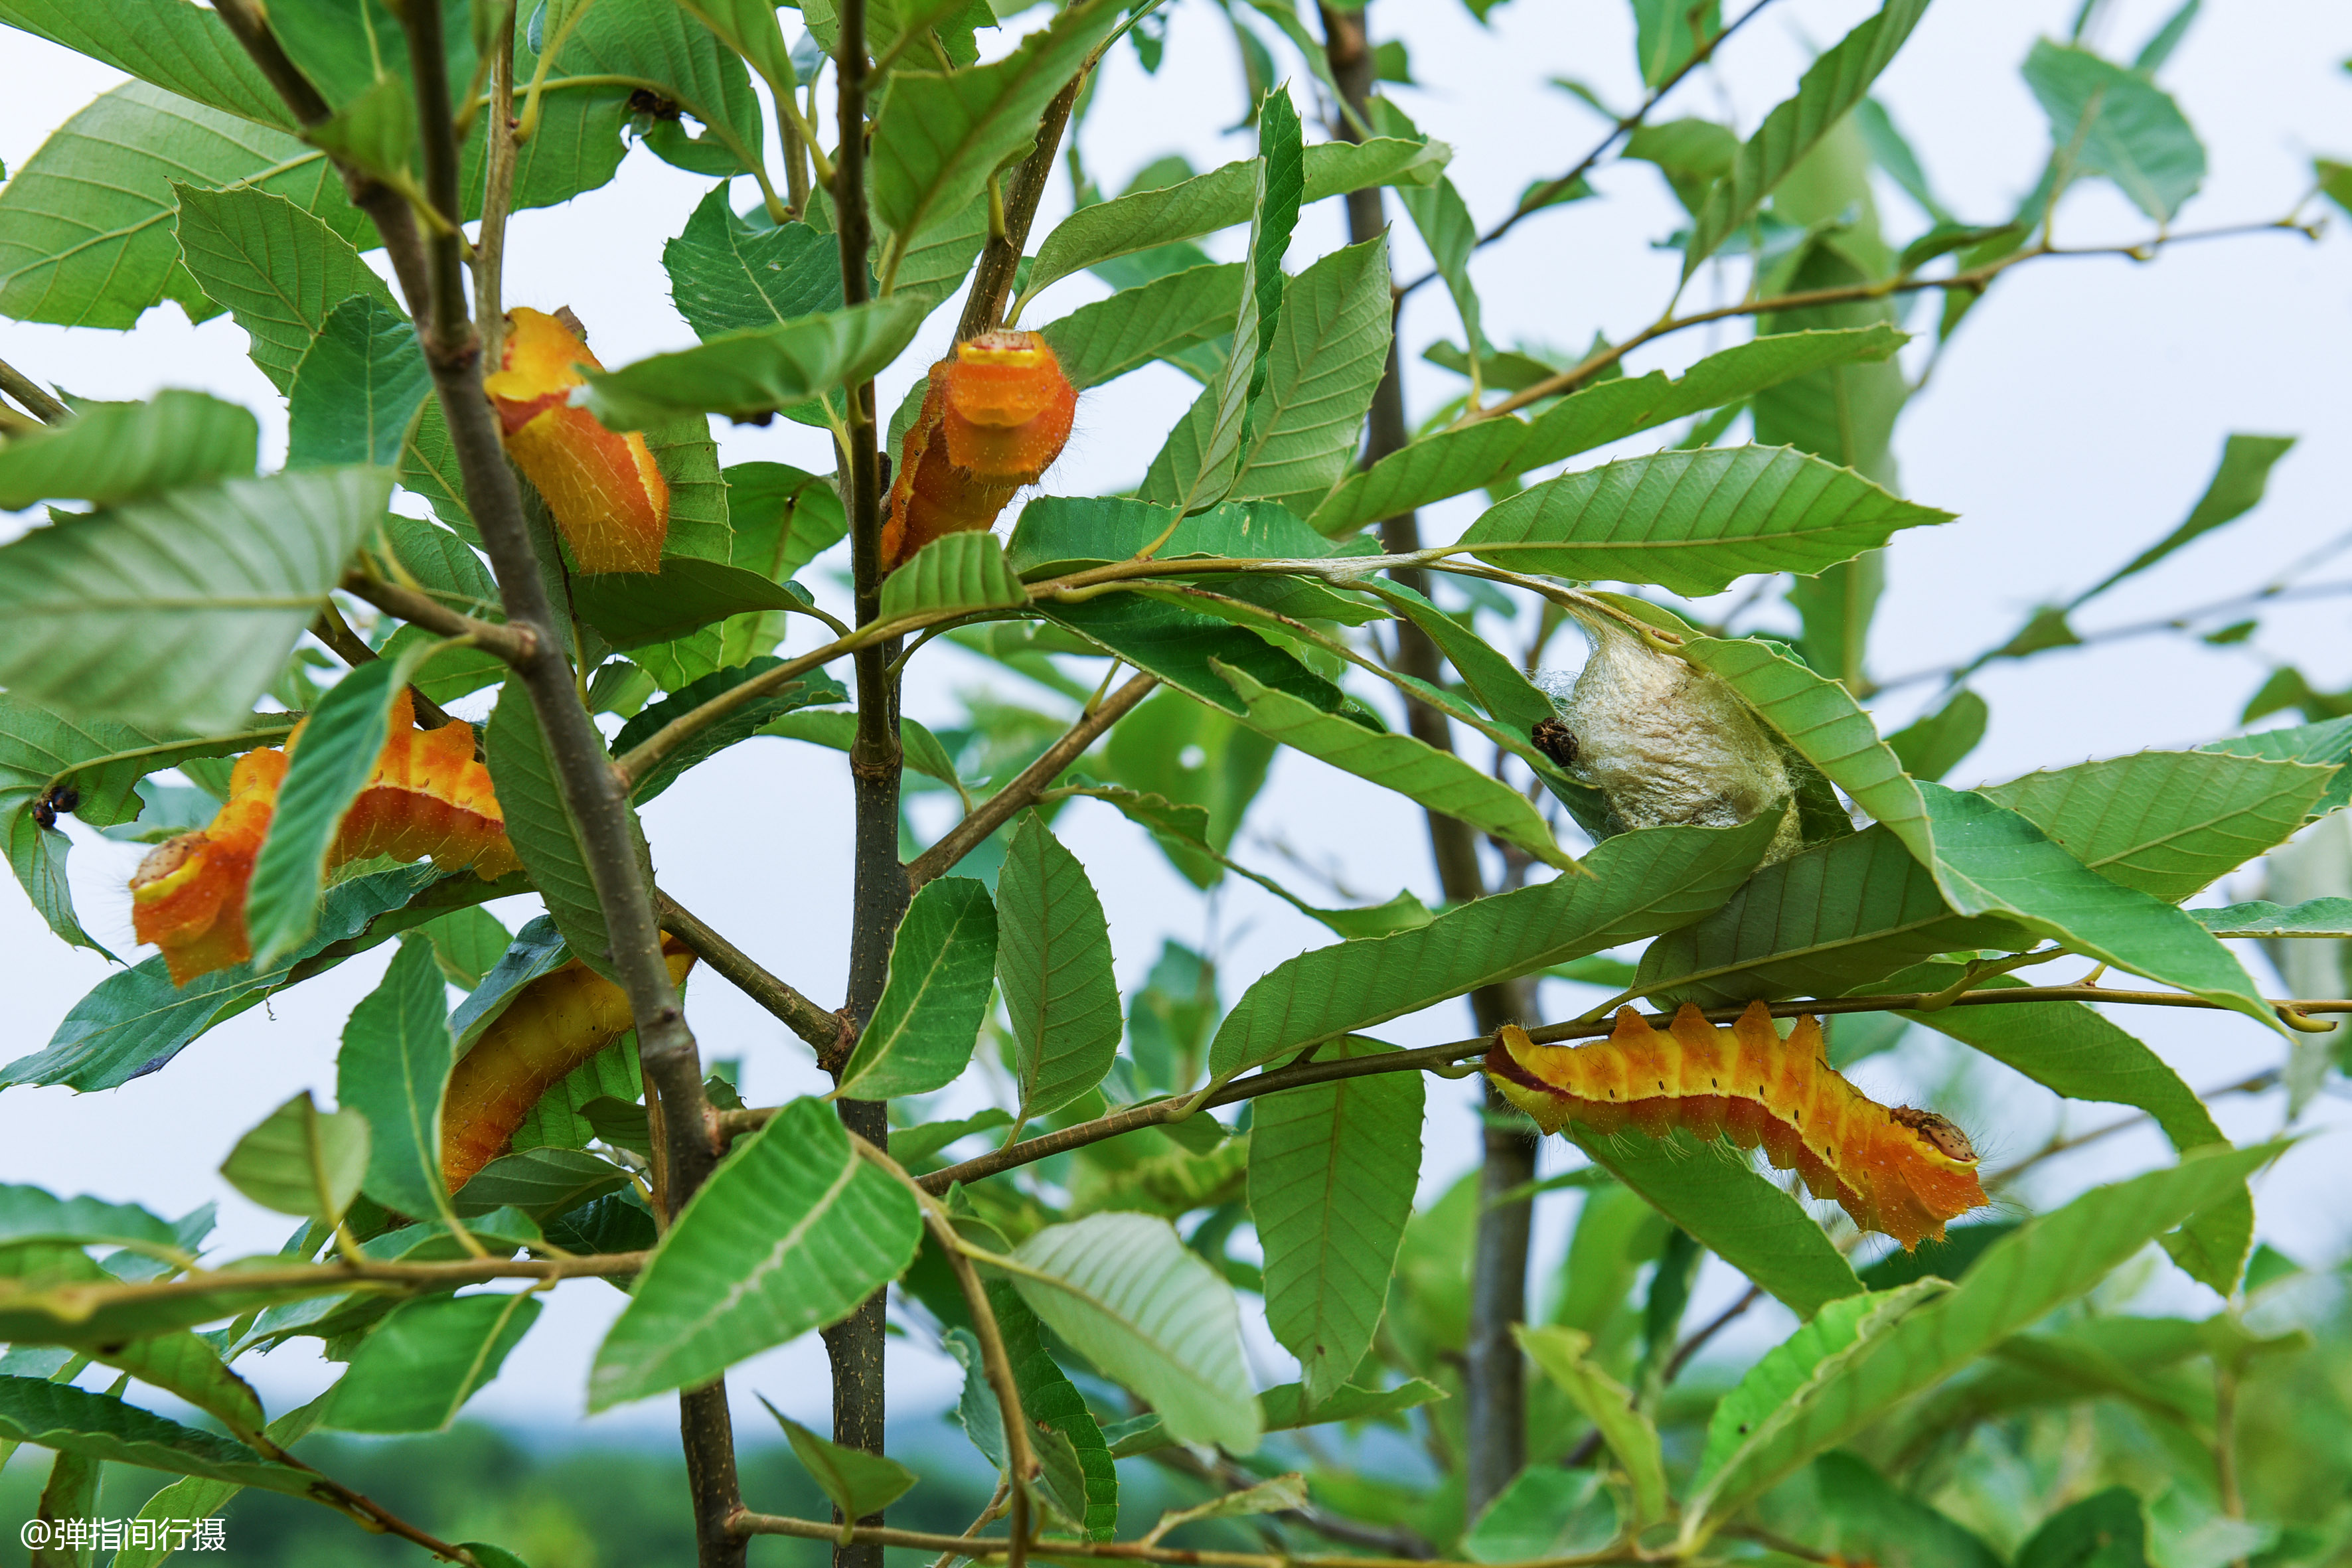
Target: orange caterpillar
[994,418]
[553,1026]
[1901,1172]
[601,486]
[427,796]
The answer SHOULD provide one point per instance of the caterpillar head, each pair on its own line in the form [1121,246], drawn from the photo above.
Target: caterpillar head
[1938,1133]
[1664,741]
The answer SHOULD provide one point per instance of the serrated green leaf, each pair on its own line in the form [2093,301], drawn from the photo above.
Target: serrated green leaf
[955,572]
[1711,1191]
[1329,345]
[1830,87]
[200,1497]
[2235,489]
[278,268]
[2312,918]
[1159,320]
[301,1160]
[2041,1266]
[1453,462]
[98,1427]
[1437,780]
[466,945]
[740,725]
[943,966]
[2168,823]
[1934,744]
[1057,535]
[540,1182]
[859,1483]
[179,610]
[635,609]
[1330,1188]
[937,138]
[182,1364]
[1181,648]
[1284,1408]
[1634,885]
[134,1021]
[1561,1354]
[89,216]
[726,276]
[183,48]
[394,1070]
[112,452]
[1219,199]
[1695,522]
[357,389]
[791,1231]
[2117,123]
[544,836]
[28,1214]
[745,374]
[1053,962]
[1127,1293]
[1546,1511]
[417,1368]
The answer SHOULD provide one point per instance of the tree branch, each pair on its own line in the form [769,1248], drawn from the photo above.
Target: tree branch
[991,281]
[1033,781]
[517,642]
[344,644]
[821,1028]
[24,390]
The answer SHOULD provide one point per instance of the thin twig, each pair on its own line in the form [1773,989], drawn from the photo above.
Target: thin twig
[1714,1326]
[516,643]
[821,1028]
[330,629]
[24,390]
[991,281]
[2259,1083]
[1032,781]
[498,201]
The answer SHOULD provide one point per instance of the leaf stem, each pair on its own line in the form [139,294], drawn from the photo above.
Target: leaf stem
[820,1027]
[24,390]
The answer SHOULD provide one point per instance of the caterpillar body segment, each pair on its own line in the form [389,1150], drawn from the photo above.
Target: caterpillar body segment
[426,797]
[601,486]
[553,1026]
[996,413]
[1901,1172]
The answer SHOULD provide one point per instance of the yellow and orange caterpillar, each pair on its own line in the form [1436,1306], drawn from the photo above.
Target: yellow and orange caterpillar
[603,487]
[995,416]
[425,796]
[1901,1172]
[554,1024]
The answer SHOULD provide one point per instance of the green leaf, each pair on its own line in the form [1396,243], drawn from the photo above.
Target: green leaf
[466,945]
[2235,489]
[1054,961]
[1782,1372]
[2312,918]
[1453,461]
[740,725]
[112,452]
[2036,1268]
[1183,649]
[134,1021]
[183,48]
[2117,123]
[938,138]
[1830,87]
[98,1427]
[358,388]
[392,1070]
[341,743]
[540,1183]
[1437,780]
[761,371]
[417,1369]
[1087,1485]
[545,836]
[860,1484]
[1219,199]
[1609,1406]
[1127,1293]
[1546,1513]
[1934,743]
[1331,1189]
[179,610]
[1059,534]
[2168,823]
[101,761]
[301,1160]
[1329,345]
[277,268]
[955,572]
[943,966]
[200,1497]
[1284,1408]
[1823,724]
[1995,861]
[1632,886]
[726,276]
[537,951]
[88,217]
[634,609]
[1695,522]
[1157,321]
[1711,1191]
[782,518]
[29,1213]
[791,1231]
[1283,1494]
